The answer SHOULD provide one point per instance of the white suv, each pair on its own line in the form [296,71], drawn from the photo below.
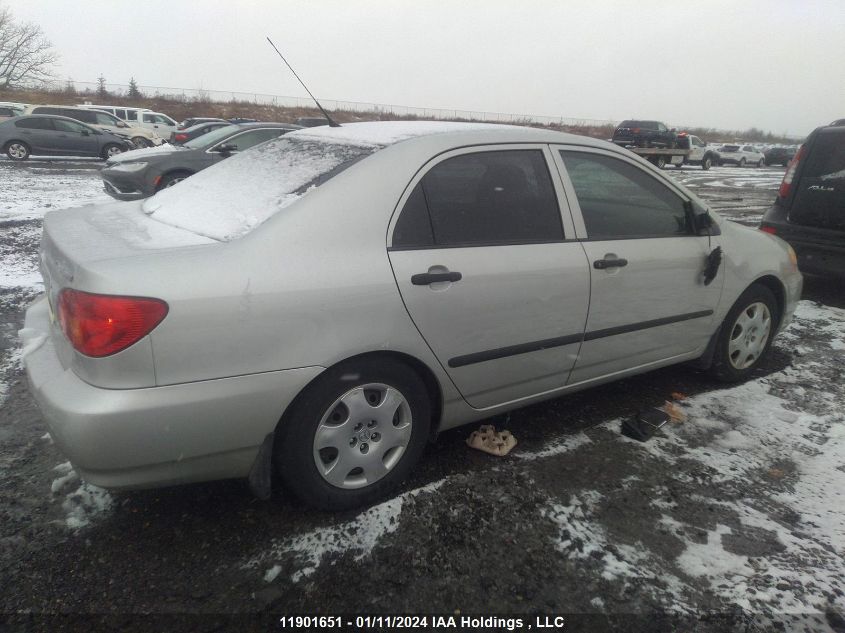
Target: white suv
[156,122]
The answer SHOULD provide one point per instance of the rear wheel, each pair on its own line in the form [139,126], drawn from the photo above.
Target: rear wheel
[759,163]
[353,434]
[706,163]
[746,334]
[17,150]
[741,162]
[111,150]
[660,161]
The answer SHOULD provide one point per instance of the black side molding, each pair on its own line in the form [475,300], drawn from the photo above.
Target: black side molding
[536,346]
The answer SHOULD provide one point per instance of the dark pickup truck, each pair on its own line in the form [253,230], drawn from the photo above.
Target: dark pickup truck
[638,133]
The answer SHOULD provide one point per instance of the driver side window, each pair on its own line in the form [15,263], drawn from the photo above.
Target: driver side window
[621,201]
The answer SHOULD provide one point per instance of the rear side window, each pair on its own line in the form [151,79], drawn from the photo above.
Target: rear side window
[131,115]
[827,160]
[46,110]
[484,198]
[86,116]
[35,123]
[7,112]
[619,200]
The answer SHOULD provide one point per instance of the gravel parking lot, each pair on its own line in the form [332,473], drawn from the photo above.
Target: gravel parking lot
[732,518]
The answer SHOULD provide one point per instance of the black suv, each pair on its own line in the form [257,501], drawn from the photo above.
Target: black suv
[644,134]
[779,155]
[809,212]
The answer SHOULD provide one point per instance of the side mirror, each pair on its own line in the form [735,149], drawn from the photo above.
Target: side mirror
[227,148]
[705,225]
[122,124]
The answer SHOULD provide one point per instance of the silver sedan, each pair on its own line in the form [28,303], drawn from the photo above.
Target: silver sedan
[327,302]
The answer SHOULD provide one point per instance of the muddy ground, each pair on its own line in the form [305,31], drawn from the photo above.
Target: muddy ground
[730,519]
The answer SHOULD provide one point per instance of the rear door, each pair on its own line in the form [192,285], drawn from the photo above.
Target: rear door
[648,302]
[820,195]
[38,132]
[490,272]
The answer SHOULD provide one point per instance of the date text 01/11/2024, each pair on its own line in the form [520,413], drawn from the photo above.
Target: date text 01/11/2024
[397,622]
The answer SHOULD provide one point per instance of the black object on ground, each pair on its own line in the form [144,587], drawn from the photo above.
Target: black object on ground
[644,424]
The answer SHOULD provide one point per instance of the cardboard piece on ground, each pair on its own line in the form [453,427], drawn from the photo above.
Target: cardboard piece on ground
[489,440]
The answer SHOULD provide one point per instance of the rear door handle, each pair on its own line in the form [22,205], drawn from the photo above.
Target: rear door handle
[423,279]
[603,264]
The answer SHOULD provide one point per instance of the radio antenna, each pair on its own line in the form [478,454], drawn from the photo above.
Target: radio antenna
[332,122]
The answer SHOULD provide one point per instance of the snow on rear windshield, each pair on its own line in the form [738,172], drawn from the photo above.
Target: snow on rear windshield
[228,200]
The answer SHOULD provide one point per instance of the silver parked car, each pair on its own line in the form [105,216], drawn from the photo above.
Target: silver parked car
[328,301]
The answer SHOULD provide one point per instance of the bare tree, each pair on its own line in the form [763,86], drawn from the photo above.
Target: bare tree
[25,54]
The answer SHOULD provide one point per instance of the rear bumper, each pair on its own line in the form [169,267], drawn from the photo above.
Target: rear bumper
[819,252]
[151,437]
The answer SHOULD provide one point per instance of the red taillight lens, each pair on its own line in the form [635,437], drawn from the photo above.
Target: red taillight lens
[789,176]
[636,130]
[181,137]
[769,229]
[102,325]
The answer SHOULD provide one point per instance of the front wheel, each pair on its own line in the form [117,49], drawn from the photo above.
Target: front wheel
[759,163]
[741,162]
[173,178]
[17,150]
[354,434]
[111,150]
[746,334]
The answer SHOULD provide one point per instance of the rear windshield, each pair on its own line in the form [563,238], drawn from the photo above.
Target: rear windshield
[827,159]
[229,199]
[729,148]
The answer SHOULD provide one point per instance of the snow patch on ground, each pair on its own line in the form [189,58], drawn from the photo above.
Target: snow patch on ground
[565,445]
[360,535]
[83,504]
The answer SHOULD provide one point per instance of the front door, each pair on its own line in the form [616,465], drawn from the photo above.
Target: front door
[648,300]
[490,273]
[74,139]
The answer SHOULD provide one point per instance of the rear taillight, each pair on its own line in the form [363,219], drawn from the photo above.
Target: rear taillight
[769,229]
[102,325]
[636,130]
[181,137]
[789,176]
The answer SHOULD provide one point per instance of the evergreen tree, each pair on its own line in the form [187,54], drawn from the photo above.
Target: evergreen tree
[134,93]
[102,93]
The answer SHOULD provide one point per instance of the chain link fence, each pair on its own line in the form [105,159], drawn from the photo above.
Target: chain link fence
[200,95]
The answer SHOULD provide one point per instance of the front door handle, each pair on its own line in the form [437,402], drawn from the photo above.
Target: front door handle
[604,264]
[423,279]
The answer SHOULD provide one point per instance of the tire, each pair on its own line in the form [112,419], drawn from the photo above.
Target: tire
[174,177]
[706,163]
[741,163]
[17,150]
[746,334]
[660,161]
[759,163]
[140,142]
[111,150]
[321,434]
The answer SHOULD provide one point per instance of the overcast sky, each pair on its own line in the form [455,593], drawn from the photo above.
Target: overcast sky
[778,65]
